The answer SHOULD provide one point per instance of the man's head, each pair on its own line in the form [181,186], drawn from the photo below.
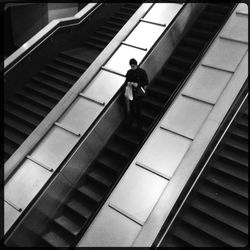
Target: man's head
[133,63]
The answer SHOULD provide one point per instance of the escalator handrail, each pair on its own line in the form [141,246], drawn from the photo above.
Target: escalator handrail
[46,32]
[208,154]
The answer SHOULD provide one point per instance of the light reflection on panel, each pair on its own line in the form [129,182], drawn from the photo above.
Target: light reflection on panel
[163,13]
[10,216]
[242,7]
[137,192]
[110,229]
[104,86]
[80,115]
[186,116]
[120,59]
[25,184]
[54,147]
[233,31]
[163,151]
[207,84]
[225,54]
[145,35]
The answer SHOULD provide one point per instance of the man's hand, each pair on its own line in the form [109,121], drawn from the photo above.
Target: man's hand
[135,84]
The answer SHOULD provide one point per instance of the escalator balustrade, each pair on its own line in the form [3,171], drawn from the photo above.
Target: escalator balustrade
[216,212]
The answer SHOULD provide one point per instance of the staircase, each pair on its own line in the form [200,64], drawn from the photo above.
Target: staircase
[79,208]
[28,107]
[216,211]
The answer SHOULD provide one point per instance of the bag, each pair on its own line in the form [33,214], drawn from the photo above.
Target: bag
[129,93]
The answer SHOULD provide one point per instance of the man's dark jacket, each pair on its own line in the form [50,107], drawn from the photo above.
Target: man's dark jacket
[138,75]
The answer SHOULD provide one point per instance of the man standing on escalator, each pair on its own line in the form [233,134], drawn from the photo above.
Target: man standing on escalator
[136,84]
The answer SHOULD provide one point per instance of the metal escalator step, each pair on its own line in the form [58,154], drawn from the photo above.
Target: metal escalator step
[57,77]
[119,20]
[110,29]
[231,169]
[207,15]
[94,45]
[163,96]
[225,197]
[101,176]
[65,61]
[68,224]
[234,157]
[193,42]
[194,237]
[204,24]
[174,70]
[153,101]
[110,159]
[74,57]
[64,70]
[237,145]
[221,213]
[199,33]
[180,60]
[55,240]
[81,208]
[240,133]
[228,182]
[99,40]
[243,122]
[190,52]
[166,81]
[9,148]
[26,94]
[106,34]
[214,228]
[126,10]
[174,241]
[28,107]
[17,125]
[44,92]
[89,189]
[14,136]
[21,115]
[114,24]
[54,86]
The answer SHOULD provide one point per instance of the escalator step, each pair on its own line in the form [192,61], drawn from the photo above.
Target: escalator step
[54,86]
[204,24]
[34,110]
[110,29]
[213,228]
[191,235]
[192,42]
[94,45]
[17,125]
[240,133]
[68,224]
[227,182]
[101,176]
[31,96]
[13,136]
[237,145]
[44,92]
[80,68]
[91,192]
[232,169]
[114,24]
[55,240]
[119,148]
[199,33]
[108,158]
[167,82]
[119,20]
[64,70]
[186,51]
[80,208]
[221,213]
[23,116]
[57,77]
[234,157]
[9,148]
[207,15]
[106,34]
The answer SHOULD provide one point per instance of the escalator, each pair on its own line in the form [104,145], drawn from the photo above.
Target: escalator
[28,107]
[79,208]
[215,213]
